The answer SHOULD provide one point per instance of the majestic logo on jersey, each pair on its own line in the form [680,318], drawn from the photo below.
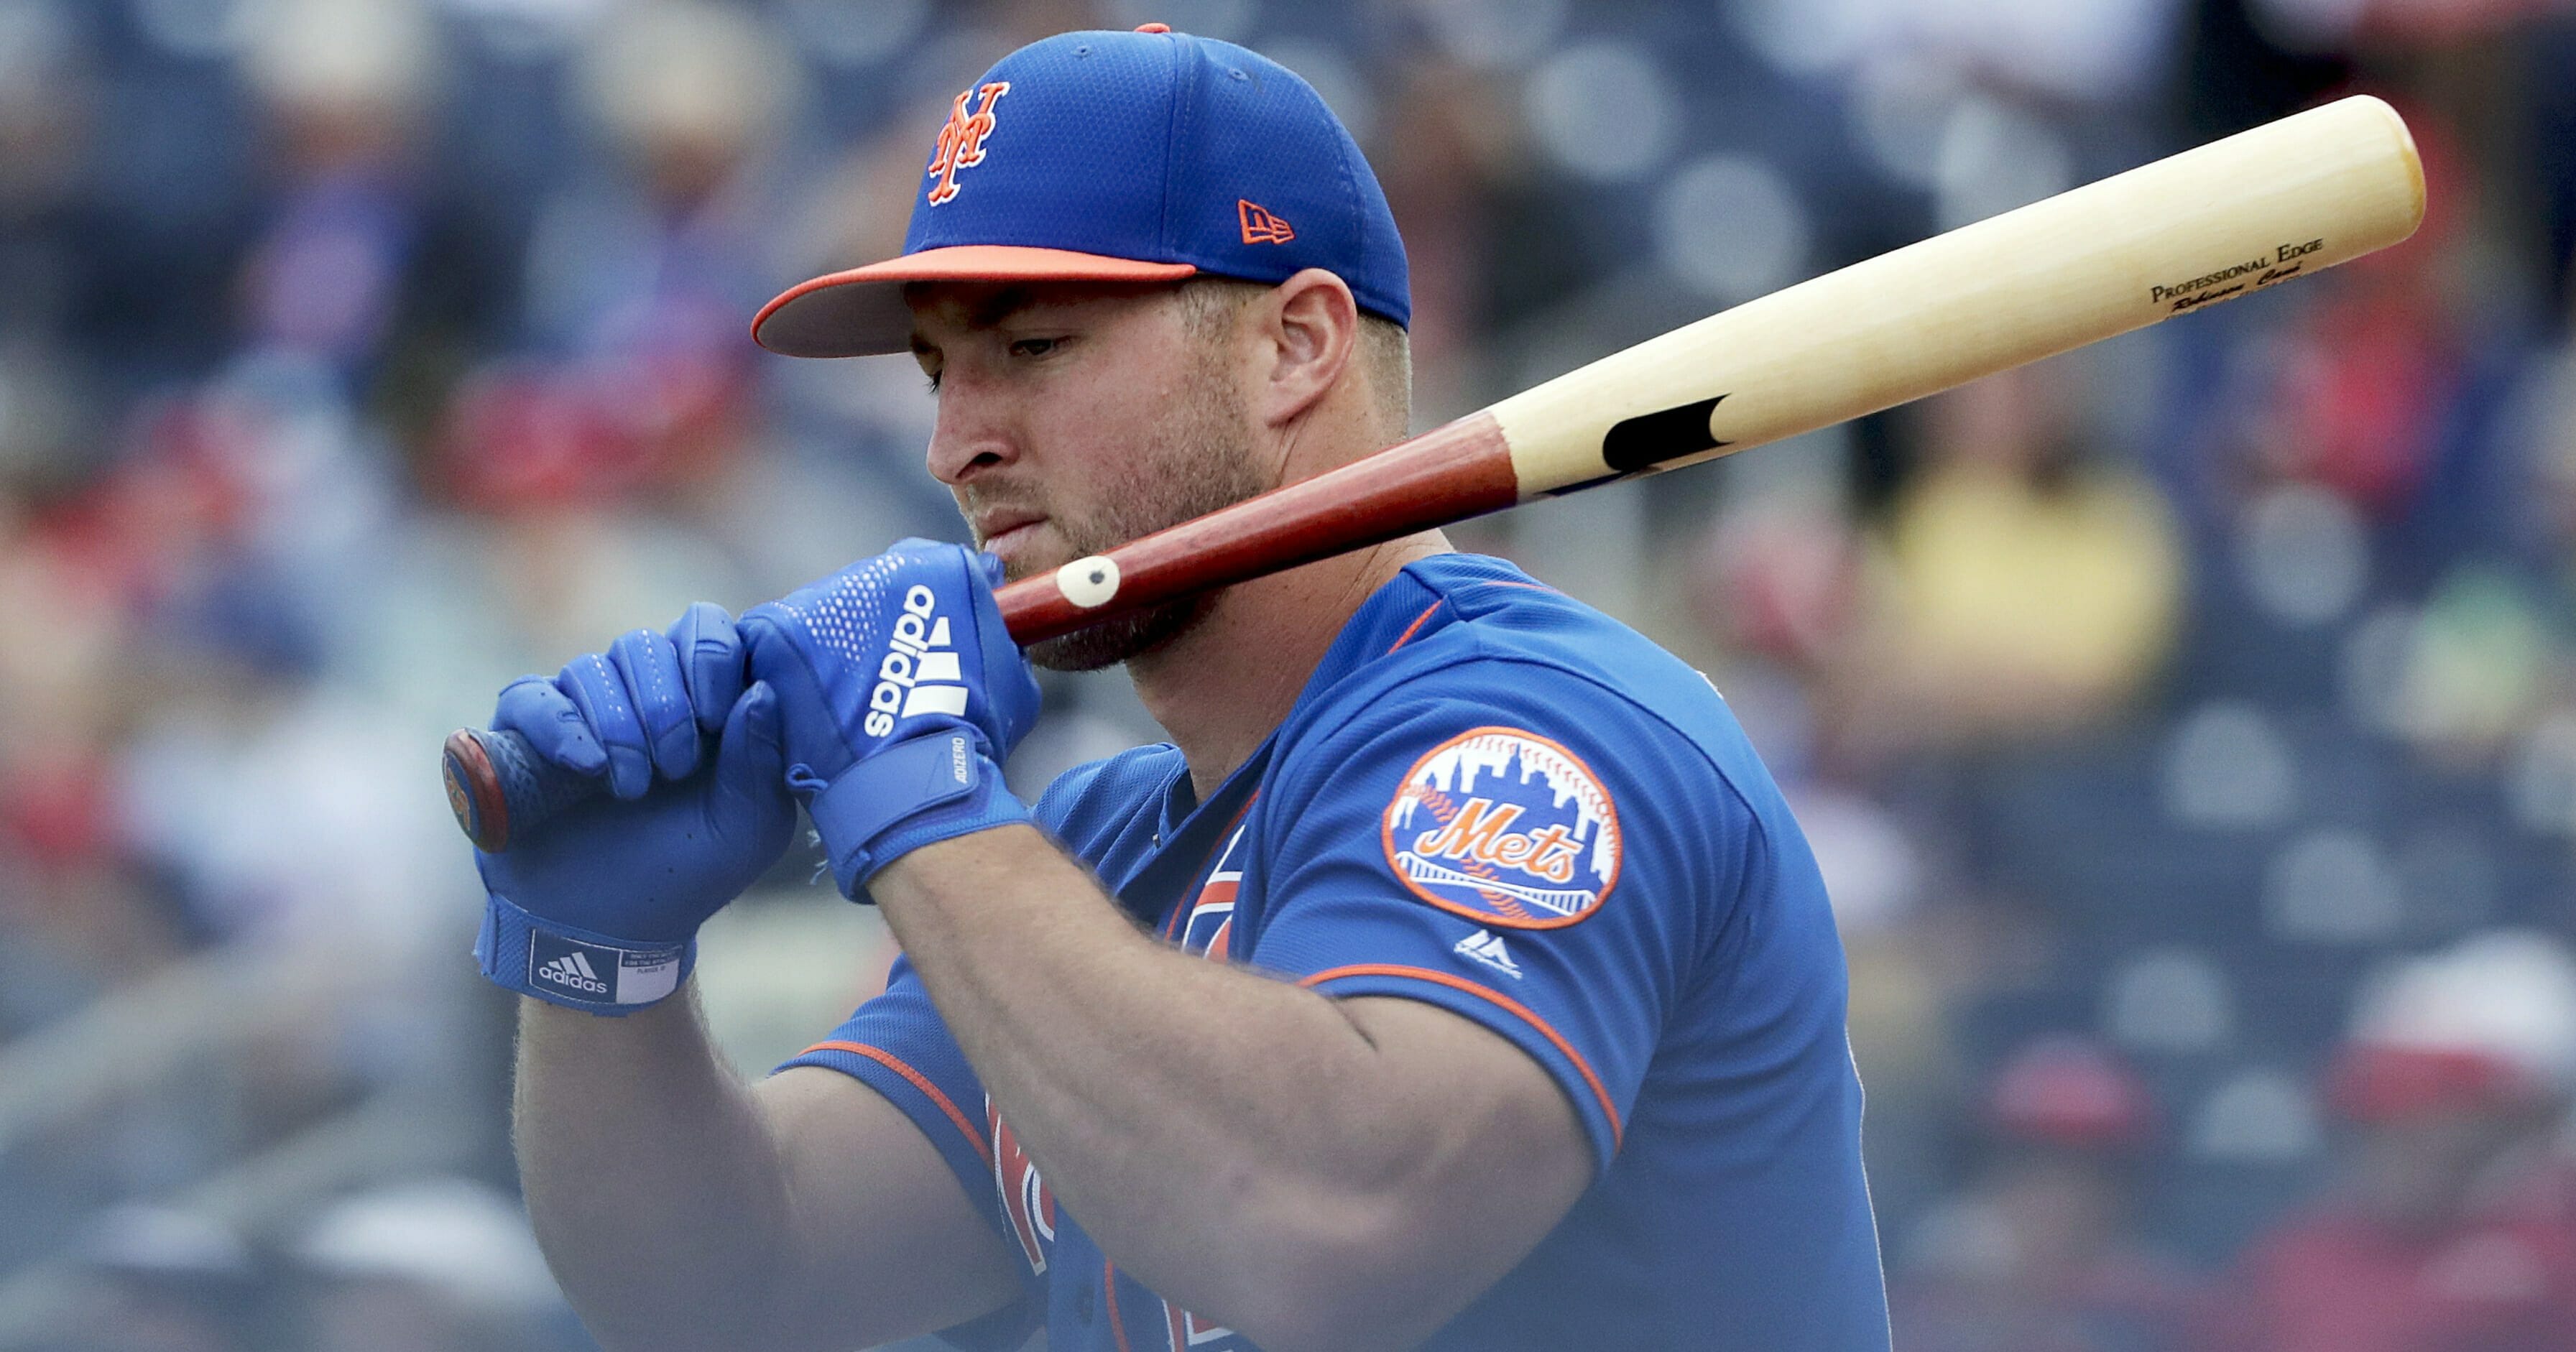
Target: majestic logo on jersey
[919,673]
[1504,827]
[1024,1191]
[1260,226]
[1486,947]
[961,141]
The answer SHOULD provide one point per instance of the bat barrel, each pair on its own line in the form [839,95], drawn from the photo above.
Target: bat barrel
[2228,219]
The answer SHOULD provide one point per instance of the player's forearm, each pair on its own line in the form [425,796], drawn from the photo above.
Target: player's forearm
[1228,1138]
[653,1182]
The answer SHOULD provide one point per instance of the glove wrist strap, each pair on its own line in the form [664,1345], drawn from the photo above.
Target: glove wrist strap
[576,968]
[929,788]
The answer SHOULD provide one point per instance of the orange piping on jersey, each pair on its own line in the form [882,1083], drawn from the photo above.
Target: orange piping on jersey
[1109,1293]
[1608,1110]
[919,1081]
[1407,636]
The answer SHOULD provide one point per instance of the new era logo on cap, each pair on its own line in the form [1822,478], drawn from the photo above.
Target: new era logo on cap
[1260,226]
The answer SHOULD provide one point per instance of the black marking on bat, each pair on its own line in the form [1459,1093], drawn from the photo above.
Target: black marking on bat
[1649,439]
[1098,577]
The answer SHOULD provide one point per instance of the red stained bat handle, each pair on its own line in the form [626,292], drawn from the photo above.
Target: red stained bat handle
[1450,473]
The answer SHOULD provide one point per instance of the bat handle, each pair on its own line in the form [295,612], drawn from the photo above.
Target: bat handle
[500,788]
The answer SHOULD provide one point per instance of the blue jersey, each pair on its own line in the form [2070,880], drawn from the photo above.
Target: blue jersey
[1500,801]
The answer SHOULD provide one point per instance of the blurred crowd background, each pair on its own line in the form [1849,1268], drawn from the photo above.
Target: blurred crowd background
[2187,727]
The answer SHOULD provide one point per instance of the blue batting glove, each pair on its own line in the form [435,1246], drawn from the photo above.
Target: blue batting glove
[901,694]
[599,908]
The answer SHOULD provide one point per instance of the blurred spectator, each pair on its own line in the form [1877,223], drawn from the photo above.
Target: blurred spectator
[2042,1252]
[2027,588]
[2458,1069]
[345,86]
[46,109]
[1488,248]
[640,277]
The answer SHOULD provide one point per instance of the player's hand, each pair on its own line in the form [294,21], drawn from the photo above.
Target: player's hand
[901,693]
[599,909]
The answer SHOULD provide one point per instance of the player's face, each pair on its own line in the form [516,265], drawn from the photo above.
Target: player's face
[1074,418]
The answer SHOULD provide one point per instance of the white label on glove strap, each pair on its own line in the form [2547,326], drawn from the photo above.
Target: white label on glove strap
[1090,582]
[643,978]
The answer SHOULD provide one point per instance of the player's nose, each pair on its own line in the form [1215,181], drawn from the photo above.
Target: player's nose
[971,436]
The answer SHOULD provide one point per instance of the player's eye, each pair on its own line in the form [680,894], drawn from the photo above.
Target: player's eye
[1033,347]
[933,378]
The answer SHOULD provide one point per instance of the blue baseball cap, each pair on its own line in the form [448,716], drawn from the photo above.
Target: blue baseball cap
[1118,157]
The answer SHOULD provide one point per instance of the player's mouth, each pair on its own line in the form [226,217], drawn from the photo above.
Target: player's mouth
[1005,534]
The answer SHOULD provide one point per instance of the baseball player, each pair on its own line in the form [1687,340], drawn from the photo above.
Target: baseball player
[1455,977]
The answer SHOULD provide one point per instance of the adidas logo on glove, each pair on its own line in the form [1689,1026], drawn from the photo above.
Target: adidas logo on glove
[571,971]
[571,967]
[920,674]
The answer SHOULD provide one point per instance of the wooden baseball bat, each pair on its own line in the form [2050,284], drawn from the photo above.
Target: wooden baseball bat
[2228,219]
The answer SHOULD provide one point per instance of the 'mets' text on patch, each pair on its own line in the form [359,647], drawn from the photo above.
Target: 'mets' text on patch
[1505,827]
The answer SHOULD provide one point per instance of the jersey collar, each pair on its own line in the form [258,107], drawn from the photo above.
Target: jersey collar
[1411,606]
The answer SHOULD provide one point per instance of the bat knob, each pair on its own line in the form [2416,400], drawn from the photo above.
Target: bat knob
[500,789]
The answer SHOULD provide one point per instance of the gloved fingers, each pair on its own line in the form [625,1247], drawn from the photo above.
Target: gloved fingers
[601,694]
[751,767]
[651,668]
[532,707]
[1016,701]
[808,724]
[711,662]
[1010,690]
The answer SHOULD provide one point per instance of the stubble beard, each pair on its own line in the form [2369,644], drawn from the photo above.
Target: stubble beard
[1199,460]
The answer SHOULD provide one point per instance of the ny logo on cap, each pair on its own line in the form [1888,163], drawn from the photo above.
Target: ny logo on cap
[961,141]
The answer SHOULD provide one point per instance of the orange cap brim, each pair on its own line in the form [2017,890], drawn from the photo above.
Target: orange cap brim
[860,313]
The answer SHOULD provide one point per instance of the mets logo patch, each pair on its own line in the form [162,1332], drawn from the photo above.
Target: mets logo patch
[1504,827]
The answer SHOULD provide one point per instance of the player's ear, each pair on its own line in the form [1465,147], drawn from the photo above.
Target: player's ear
[1310,333]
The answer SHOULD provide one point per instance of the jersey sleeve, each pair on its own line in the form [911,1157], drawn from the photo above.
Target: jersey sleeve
[1515,844]
[897,1045]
